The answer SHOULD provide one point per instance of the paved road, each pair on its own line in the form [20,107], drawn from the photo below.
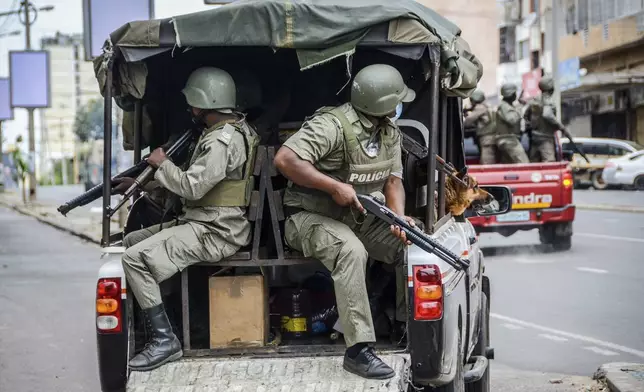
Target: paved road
[609,197]
[569,312]
[47,283]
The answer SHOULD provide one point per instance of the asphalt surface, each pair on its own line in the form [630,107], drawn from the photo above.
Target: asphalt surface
[569,312]
[609,197]
[47,285]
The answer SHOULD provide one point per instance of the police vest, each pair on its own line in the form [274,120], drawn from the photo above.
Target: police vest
[365,173]
[503,128]
[540,127]
[486,124]
[228,192]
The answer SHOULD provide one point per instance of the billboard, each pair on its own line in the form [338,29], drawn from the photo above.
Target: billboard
[6,112]
[530,83]
[569,74]
[29,79]
[102,17]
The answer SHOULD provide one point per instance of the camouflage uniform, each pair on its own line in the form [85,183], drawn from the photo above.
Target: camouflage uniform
[211,227]
[483,118]
[508,127]
[542,118]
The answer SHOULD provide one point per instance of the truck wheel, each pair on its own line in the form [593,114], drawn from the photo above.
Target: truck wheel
[482,385]
[562,243]
[596,179]
[458,384]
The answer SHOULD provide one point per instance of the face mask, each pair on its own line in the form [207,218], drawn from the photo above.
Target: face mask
[398,112]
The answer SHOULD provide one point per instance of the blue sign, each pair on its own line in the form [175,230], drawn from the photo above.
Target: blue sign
[569,74]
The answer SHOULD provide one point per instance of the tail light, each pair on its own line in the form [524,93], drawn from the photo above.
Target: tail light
[428,293]
[567,179]
[109,316]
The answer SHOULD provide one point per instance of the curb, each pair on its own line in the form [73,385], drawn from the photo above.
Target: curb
[52,223]
[607,207]
[622,376]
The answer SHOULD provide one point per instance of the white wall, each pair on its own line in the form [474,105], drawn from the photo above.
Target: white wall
[580,126]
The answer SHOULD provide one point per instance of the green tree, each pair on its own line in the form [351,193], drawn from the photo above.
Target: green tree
[89,121]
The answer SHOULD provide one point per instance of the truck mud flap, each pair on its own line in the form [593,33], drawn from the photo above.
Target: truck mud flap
[266,375]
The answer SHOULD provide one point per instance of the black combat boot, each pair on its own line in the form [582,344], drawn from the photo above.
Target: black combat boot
[163,346]
[367,364]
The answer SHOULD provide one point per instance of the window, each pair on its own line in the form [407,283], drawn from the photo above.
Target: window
[596,16]
[524,49]
[534,6]
[617,151]
[507,44]
[571,21]
[534,60]
[608,10]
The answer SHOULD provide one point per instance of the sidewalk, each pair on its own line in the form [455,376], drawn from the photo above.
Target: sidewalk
[609,200]
[84,222]
[622,377]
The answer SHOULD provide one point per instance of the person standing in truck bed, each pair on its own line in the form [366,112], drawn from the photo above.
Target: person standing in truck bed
[541,117]
[508,127]
[482,118]
[337,153]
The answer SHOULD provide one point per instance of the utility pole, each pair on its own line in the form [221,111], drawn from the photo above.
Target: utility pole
[32,139]
[554,54]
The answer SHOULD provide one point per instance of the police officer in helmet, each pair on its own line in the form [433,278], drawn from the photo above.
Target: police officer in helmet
[482,118]
[215,188]
[508,126]
[340,152]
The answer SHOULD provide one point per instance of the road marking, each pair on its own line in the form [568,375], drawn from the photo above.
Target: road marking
[611,237]
[582,338]
[600,351]
[511,326]
[553,337]
[593,270]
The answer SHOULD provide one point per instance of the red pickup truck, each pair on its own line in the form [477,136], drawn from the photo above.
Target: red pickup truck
[541,196]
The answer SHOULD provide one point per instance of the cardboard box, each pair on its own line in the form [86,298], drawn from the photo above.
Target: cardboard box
[238,311]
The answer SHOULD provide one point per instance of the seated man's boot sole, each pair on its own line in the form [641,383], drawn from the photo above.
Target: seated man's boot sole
[351,369]
[171,358]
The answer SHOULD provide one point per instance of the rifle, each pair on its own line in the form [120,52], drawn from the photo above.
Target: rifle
[141,170]
[413,233]
[574,145]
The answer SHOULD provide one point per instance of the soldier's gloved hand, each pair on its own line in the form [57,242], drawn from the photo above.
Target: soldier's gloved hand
[122,185]
[157,157]
[395,230]
[345,196]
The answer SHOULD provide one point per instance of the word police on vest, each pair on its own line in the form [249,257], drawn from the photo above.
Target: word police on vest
[363,178]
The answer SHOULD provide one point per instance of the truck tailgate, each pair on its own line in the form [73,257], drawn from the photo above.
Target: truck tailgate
[533,185]
[266,375]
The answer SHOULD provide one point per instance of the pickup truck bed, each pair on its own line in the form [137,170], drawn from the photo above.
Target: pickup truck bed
[267,374]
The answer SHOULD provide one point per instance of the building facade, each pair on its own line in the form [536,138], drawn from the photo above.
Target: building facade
[478,20]
[605,39]
[72,85]
[525,45]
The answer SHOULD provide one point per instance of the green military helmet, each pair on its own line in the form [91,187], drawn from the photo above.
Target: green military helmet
[377,89]
[546,84]
[478,96]
[508,90]
[210,88]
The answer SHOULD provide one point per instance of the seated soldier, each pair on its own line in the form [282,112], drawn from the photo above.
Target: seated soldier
[355,147]
[216,190]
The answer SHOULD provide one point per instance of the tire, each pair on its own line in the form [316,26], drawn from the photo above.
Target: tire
[458,384]
[562,243]
[638,184]
[597,181]
[483,385]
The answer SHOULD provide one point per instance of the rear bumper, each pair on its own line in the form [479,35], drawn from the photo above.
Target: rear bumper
[538,217]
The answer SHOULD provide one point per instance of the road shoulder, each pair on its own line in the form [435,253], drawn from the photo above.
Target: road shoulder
[622,376]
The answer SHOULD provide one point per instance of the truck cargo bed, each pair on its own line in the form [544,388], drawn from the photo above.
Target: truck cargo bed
[323,374]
